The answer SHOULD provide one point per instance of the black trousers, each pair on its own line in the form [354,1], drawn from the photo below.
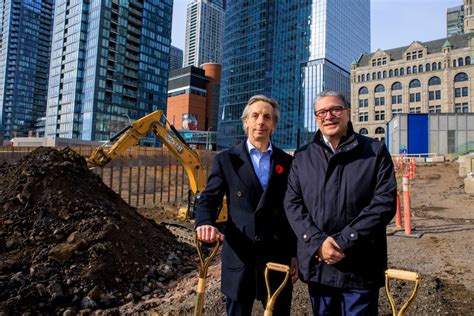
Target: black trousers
[243,307]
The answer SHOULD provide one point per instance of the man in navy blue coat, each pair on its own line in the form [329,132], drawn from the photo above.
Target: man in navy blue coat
[341,195]
[253,177]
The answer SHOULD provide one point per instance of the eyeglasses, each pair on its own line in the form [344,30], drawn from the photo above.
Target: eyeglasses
[335,111]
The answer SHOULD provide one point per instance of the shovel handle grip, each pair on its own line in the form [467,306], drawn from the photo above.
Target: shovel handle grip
[278,267]
[402,275]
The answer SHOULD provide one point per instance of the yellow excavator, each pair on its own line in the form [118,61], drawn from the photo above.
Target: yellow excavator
[157,123]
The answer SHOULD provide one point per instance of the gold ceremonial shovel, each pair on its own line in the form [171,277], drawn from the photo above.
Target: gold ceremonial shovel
[401,275]
[272,298]
[204,265]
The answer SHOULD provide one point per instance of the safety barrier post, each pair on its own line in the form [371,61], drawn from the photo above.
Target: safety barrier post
[398,214]
[406,203]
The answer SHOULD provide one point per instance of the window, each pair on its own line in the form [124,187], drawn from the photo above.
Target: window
[373,76]
[396,86]
[434,95]
[397,99]
[396,111]
[363,131]
[379,115]
[379,75]
[460,61]
[380,101]
[379,130]
[461,92]
[364,103]
[461,107]
[468,60]
[434,81]
[402,71]
[420,68]
[434,109]
[427,67]
[379,88]
[408,70]
[415,110]
[415,83]
[363,77]
[390,73]
[415,97]
[461,77]
[363,90]
[415,69]
[457,92]
[384,74]
[363,116]
[396,72]
[434,66]
[454,63]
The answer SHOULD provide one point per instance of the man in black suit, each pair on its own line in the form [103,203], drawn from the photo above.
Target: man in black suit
[253,176]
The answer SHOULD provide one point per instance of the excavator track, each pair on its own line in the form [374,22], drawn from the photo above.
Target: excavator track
[184,232]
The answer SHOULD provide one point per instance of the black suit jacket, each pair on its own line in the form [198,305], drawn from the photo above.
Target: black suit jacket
[257,230]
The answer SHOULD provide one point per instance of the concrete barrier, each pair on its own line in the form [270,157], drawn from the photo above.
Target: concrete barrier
[465,164]
[435,159]
[469,183]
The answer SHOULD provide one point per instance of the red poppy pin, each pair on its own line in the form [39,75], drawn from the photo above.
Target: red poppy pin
[279,169]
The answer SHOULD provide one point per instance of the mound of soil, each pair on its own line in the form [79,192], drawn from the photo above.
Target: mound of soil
[68,242]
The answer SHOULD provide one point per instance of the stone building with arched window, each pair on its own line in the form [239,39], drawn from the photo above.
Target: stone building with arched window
[424,77]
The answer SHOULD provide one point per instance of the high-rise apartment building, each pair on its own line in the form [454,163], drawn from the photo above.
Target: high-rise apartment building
[109,64]
[289,50]
[204,32]
[176,58]
[455,21]
[25,42]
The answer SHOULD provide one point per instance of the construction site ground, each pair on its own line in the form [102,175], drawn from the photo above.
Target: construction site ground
[70,245]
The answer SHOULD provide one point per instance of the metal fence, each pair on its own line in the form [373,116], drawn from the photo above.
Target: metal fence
[143,176]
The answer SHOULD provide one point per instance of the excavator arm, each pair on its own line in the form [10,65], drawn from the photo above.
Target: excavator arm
[157,123]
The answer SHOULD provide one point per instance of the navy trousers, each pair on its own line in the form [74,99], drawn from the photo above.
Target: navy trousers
[328,300]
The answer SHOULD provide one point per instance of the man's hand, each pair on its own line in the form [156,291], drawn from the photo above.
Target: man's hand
[208,233]
[294,270]
[330,252]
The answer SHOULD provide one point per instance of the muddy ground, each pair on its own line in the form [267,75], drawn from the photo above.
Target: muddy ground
[69,245]
[442,213]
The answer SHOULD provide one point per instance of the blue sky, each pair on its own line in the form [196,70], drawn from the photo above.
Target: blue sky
[392,21]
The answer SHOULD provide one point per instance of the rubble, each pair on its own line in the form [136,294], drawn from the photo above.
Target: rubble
[68,243]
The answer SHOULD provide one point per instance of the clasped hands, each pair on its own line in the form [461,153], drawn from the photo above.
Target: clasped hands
[330,252]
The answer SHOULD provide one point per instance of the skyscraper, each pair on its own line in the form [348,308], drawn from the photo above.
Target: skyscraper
[204,32]
[455,21]
[25,43]
[289,50]
[109,65]
[176,58]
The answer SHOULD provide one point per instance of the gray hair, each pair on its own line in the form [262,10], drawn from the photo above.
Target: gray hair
[261,97]
[330,93]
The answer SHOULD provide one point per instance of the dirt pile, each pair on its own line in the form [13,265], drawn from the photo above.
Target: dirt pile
[68,242]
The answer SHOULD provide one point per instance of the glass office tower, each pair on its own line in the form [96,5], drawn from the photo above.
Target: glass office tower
[25,43]
[289,50]
[109,65]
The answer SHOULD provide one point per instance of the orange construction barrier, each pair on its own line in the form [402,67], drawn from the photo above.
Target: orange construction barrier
[398,214]
[406,203]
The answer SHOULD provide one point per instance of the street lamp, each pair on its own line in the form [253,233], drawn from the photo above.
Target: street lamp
[128,117]
[208,143]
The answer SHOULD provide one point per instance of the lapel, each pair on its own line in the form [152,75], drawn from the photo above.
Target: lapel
[244,169]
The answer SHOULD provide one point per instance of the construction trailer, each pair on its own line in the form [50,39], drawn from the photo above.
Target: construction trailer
[430,134]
